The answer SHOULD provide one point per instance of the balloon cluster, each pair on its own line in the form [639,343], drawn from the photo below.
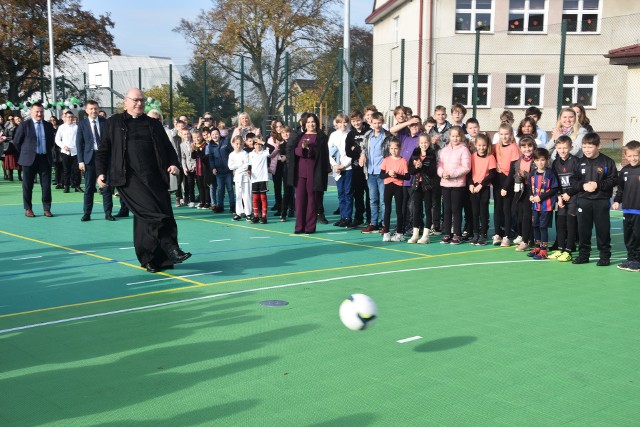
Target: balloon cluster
[71,103]
[152,104]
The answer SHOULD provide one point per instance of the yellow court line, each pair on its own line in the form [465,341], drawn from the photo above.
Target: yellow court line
[309,236]
[163,291]
[76,251]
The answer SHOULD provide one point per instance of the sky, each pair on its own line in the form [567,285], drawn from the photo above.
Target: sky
[145,27]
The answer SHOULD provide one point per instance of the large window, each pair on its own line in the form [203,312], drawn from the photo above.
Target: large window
[523,90]
[463,90]
[473,14]
[583,16]
[527,15]
[580,89]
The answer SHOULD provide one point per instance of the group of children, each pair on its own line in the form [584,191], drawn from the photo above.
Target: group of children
[204,157]
[533,178]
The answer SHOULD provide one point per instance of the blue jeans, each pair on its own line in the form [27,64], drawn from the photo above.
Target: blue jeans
[345,194]
[376,193]
[225,181]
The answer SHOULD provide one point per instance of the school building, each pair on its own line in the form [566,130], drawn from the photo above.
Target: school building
[424,55]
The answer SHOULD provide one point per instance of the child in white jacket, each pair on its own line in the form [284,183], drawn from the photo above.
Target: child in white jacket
[239,165]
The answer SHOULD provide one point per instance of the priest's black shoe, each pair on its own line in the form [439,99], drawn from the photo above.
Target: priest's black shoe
[122,214]
[151,267]
[109,217]
[176,256]
[85,217]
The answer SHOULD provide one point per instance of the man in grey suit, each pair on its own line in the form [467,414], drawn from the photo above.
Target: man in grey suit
[34,140]
[88,140]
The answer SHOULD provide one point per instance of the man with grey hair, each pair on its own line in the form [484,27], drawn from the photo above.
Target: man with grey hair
[140,156]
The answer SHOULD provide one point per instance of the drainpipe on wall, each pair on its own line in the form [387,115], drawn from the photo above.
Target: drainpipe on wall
[430,65]
[420,56]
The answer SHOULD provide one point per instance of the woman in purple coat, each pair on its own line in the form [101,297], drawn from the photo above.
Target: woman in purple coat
[310,172]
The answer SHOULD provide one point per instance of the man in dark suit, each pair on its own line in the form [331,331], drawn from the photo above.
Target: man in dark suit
[34,140]
[88,140]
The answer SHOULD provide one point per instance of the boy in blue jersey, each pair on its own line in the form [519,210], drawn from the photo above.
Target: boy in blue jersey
[628,197]
[544,187]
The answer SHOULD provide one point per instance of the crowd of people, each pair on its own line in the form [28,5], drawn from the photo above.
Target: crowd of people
[439,175]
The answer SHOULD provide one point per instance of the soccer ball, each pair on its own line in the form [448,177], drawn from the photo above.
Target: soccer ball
[358,312]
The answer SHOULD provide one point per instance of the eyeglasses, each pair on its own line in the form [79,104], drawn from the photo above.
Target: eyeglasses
[135,100]
[208,118]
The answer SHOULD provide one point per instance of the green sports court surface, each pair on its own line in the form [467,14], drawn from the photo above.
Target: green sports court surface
[488,337]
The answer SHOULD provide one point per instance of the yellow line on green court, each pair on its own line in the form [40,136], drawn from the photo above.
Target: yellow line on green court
[309,236]
[76,251]
[164,291]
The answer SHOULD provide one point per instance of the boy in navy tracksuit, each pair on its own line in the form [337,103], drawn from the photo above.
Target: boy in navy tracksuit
[597,175]
[628,197]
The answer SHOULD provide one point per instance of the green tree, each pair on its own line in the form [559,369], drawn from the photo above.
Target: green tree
[24,22]
[181,104]
[220,100]
[263,31]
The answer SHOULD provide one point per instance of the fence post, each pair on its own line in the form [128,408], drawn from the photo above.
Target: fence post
[41,43]
[340,80]
[204,87]
[111,86]
[170,95]
[241,83]
[475,73]
[563,43]
[140,78]
[84,81]
[402,72]
[286,88]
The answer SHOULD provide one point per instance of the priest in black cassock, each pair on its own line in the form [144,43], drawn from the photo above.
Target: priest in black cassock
[140,158]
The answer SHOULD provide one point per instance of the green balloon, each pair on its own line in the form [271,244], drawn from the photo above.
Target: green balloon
[147,108]
[10,104]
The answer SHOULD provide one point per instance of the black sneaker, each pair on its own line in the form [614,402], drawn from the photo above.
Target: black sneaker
[340,222]
[255,220]
[322,219]
[237,218]
[603,262]
[482,240]
[263,220]
[348,224]
[580,260]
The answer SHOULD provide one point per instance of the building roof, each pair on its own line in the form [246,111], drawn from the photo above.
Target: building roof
[379,12]
[627,55]
[306,84]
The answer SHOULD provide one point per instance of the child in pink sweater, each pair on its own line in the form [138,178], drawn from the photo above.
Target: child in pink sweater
[454,163]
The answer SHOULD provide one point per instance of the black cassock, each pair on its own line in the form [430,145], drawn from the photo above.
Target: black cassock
[155,232]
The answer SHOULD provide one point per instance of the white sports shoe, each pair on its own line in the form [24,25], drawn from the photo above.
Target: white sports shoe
[517,240]
[496,240]
[505,242]
[386,237]
[398,237]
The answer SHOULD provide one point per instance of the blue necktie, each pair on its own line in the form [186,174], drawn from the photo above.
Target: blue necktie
[41,145]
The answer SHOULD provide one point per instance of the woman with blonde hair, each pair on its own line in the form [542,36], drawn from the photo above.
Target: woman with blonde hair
[568,125]
[582,116]
[245,126]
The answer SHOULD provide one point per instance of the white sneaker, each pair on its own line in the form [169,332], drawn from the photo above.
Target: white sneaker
[522,246]
[386,237]
[505,242]
[496,240]
[192,205]
[398,237]
[517,240]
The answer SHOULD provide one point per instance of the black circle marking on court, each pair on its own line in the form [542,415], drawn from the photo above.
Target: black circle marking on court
[274,303]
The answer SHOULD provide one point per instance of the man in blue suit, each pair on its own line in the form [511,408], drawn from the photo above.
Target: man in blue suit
[34,140]
[88,140]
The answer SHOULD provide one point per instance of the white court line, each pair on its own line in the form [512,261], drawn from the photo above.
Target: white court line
[80,252]
[260,237]
[28,257]
[180,243]
[219,240]
[247,291]
[173,278]
[417,337]
[132,247]
[338,232]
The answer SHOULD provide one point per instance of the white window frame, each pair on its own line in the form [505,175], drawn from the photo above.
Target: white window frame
[581,11]
[469,86]
[473,11]
[527,11]
[574,90]
[523,85]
